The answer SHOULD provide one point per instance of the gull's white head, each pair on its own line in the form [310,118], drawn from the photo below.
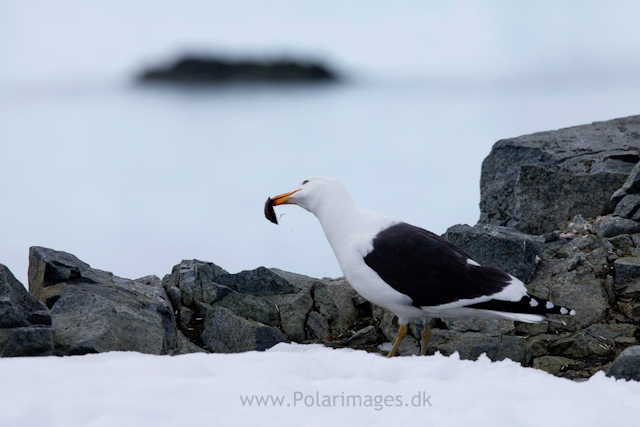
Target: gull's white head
[312,194]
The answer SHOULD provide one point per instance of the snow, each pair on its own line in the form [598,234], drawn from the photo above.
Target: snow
[132,389]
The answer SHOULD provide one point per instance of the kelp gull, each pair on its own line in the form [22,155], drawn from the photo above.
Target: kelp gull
[410,271]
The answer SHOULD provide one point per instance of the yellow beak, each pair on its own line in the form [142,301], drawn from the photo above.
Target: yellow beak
[283,199]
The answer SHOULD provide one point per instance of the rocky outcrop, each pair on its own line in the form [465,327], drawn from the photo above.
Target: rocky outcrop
[535,182]
[587,262]
[511,250]
[94,311]
[25,323]
[266,306]
[205,70]
[627,365]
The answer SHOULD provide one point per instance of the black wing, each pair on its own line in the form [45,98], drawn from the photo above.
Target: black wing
[429,269]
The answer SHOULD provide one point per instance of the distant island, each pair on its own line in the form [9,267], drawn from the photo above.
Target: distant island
[214,70]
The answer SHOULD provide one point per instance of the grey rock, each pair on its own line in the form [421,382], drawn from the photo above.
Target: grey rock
[529,329]
[299,280]
[94,311]
[364,337]
[471,345]
[151,280]
[627,269]
[185,317]
[249,307]
[596,342]
[17,307]
[565,165]
[25,322]
[317,326]
[610,226]
[409,346]
[631,310]
[225,332]
[578,225]
[358,299]
[260,281]
[175,296]
[621,241]
[628,207]
[195,281]
[333,300]
[538,345]
[630,186]
[627,365]
[548,195]
[572,276]
[628,290]
[556,364]
[184,346]
[192,270]
[35,340]
[117,316]
[388,323]
[485,325]
[505,248]
[294,310]
[50,271]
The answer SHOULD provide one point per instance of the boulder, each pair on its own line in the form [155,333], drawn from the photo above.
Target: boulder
[317,326]
[534,182]
[629,207]
[94,311]
[260,281]
[250,307]
[194,279]
[549,195]
[493,246]
[366,336]
[630,186]
[363,338]
[184,346]
[50,271]
[190,281]
[471,345]
[485,325]
[556,365]
[627,269]
[268,296]
[610,226]
[294,310]
[627,365]
[25,323]
[538,345]
[226,332]
[596,342]
[573,276]
[333,300]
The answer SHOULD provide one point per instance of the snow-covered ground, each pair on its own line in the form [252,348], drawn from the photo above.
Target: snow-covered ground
[302,385]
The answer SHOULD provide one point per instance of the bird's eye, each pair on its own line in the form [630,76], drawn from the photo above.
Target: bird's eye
[305,181]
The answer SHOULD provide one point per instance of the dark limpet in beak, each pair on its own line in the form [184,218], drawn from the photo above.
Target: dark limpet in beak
[269,213]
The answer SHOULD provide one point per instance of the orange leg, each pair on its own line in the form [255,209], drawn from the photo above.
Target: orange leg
[401,334]
[426,334]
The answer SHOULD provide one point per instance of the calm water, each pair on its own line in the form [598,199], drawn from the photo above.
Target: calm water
[133,179]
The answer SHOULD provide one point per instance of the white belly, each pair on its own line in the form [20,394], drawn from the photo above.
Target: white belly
[375,290]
